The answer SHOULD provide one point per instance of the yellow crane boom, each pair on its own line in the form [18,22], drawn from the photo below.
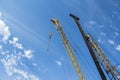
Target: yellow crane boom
[69,50]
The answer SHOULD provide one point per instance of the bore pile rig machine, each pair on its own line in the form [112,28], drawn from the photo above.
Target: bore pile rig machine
[102,62]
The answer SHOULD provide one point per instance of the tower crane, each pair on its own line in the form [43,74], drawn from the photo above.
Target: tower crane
[69,50]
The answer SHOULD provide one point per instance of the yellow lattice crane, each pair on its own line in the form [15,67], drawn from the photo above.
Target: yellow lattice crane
[69,50]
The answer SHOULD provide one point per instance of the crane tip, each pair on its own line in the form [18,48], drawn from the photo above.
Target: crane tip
[54,21]
[73,16]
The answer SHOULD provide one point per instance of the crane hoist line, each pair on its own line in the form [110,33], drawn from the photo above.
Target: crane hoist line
[74,61]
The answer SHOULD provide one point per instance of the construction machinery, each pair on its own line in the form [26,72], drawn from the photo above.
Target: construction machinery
[104,61]
[103,64]
[101,61]
[89,48]
[69,50]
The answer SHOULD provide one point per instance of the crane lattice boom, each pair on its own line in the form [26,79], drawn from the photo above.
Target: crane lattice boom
[112,72]
[102,62]
[69,50]
[97,53]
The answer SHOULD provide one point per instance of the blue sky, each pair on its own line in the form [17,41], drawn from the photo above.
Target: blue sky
[24,35]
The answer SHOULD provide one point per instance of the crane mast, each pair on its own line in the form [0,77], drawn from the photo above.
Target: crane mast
[102,62]
[69,50]
[89,48]
[110,70]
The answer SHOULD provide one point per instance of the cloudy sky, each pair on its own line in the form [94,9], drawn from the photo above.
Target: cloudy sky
[24,37]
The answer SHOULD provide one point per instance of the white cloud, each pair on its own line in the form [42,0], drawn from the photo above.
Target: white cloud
[25,75]
[62,58]
[118,66]
[4,31]
[100,40]
[116,33]
[12,67]
[19,46]
[116,4]
[111,42]
[118,48]
[15,43]
[12,60]
[58,63]
[28,54]
[0,47]
[3,53]
[34,64]
[92,22]
[103,34]
[115,12]
[15,39]
[101,26]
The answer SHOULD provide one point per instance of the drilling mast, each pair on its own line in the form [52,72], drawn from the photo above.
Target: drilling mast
[69,50]
[102,62]
[76,19]
[110,70]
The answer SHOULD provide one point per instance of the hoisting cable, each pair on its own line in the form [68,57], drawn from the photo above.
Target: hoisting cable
[49,40]
[64,72]
[77,53]
[77,50]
